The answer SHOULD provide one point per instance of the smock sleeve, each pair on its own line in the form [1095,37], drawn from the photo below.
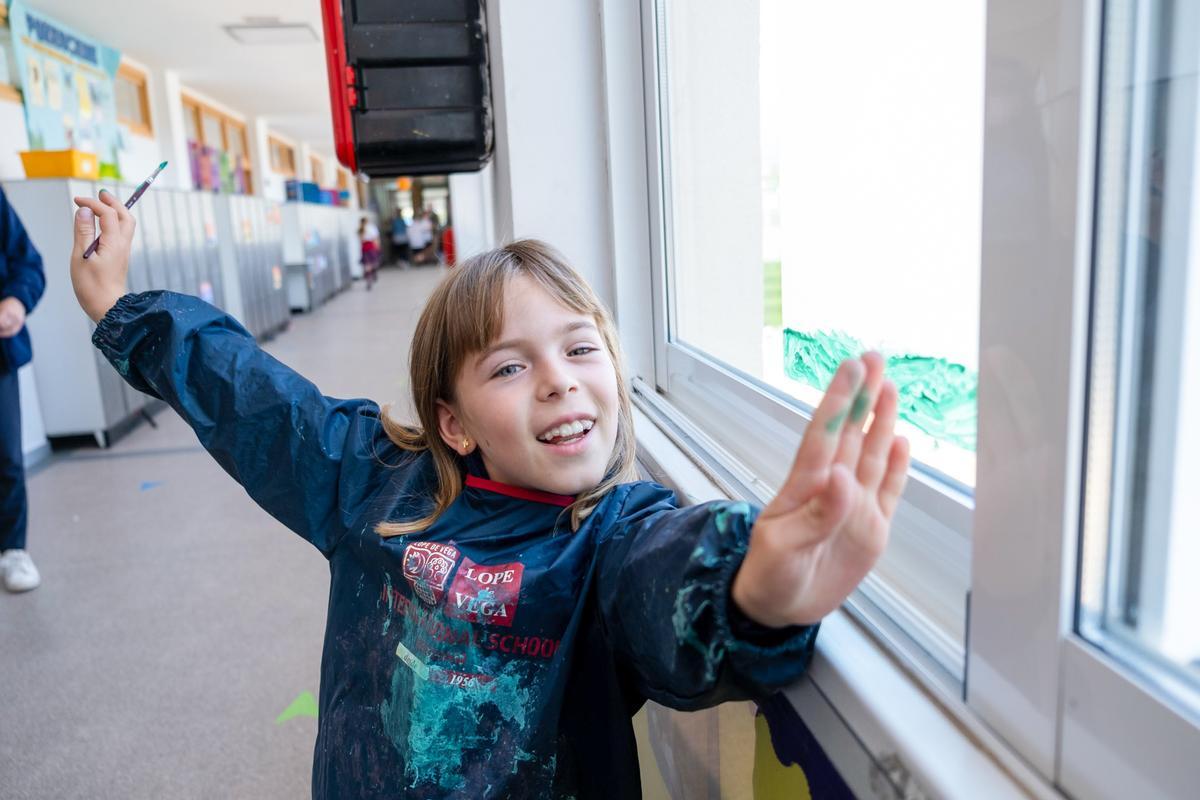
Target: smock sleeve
[664,583]
[24,278]
[299,454]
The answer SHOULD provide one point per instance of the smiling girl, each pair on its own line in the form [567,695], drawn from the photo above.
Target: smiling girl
[505,594]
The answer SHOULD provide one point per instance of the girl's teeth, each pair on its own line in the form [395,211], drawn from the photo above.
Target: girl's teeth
[570,429]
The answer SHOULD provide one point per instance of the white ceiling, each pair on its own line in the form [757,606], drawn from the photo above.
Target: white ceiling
[284,83]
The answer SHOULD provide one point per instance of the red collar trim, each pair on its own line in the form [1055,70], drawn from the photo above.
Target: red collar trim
[563,500]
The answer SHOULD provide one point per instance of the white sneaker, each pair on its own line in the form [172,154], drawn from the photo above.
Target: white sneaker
[18,571]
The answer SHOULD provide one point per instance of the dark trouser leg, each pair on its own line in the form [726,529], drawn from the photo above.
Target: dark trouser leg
[13,513]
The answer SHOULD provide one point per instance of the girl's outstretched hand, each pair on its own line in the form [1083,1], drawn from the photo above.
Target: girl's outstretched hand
[829,523]
[99,279]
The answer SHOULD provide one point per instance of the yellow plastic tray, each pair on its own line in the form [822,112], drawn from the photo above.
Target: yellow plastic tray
[60,164]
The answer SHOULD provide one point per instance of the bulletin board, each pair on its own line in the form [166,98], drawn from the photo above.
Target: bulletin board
[68,84]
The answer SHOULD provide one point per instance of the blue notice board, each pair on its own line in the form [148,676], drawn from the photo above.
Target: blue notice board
[68,83]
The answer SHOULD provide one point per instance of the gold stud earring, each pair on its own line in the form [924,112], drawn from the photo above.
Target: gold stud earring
[466,445]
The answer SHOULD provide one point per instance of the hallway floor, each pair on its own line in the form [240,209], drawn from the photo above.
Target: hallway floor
[177,621]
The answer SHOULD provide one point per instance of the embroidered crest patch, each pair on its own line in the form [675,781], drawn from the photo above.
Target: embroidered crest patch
[427,567]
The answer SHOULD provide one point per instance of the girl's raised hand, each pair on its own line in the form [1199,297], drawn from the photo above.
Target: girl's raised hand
[99,280]
[829,523]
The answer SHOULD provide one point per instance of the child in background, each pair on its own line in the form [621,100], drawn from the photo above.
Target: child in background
[400,239]
[505,594]
[368,234]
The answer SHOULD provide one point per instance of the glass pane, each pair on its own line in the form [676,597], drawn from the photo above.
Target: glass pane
[212,130]
[189,123]
[233,135]
[129,100]
[820,205]
[1141,547]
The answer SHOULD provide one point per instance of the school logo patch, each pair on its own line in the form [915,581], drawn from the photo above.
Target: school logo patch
[486,594]
[427,567]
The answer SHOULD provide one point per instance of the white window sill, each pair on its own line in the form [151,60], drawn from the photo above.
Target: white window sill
[868,713]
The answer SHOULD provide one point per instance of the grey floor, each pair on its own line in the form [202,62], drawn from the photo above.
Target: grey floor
[176,620]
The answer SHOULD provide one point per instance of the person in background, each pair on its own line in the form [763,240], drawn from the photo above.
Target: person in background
[420,239]
[21,285]
[368,234]
[435,230]
[400,238]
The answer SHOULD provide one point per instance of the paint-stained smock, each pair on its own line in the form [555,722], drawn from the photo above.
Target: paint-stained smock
[498,653]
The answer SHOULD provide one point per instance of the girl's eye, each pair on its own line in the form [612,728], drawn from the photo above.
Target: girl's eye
[583,350]
[506,371]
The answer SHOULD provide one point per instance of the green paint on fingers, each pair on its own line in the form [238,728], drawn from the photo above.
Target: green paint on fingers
[862,402]
[834,425]
[305,705]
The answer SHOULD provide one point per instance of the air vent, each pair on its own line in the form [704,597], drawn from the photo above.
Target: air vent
[273,33]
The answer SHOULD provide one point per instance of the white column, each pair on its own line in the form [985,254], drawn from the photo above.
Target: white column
[167,107]
[547,92]
[266,182]
[471,196]
[303,169]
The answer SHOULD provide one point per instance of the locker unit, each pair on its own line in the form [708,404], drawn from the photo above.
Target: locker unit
[249,250]
[316,252]
[79,391]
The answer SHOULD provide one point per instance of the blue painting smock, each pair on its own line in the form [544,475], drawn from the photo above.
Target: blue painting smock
[497,653]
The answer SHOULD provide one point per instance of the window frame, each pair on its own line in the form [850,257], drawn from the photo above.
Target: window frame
[225,123]
[277,146]
[716,396]
[141,82]
[1139,741]
[1027,674]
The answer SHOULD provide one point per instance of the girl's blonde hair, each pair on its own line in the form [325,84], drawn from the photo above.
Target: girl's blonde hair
[464,315]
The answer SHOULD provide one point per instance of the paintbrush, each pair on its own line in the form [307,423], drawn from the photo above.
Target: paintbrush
[133,198]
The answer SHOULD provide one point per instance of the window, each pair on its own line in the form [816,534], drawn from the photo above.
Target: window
[846,212]
[238,148]
[1137,591]
[219,149]
[133,101]
[1062,238]
[283,156]
[809,212]
[1137,594]
[211,128]
[191,121]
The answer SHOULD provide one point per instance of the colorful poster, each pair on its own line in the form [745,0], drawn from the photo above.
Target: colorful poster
[54,79]
[68,85]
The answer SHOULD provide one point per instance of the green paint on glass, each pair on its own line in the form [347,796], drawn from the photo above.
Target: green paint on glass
[305,705]
[936,395]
